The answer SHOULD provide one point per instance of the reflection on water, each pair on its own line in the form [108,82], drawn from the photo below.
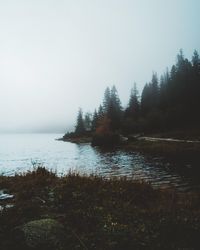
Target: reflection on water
[18,153]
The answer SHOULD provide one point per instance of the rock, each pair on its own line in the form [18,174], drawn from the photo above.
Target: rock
[5,196]
[133,138]
[42,234]
[5,207]
[123,139]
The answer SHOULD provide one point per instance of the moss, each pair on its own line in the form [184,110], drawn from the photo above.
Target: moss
[43,233]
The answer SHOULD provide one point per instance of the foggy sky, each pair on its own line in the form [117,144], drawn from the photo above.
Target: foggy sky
[59,55]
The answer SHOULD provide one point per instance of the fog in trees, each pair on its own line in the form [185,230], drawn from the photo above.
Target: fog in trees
[170,102]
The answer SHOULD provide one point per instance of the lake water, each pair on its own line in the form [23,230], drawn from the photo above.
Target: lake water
[21,152]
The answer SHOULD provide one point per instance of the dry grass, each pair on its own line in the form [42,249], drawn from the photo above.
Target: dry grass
[98,213]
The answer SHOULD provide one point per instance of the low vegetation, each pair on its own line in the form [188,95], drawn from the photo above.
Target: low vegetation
[180,152]
[97,213]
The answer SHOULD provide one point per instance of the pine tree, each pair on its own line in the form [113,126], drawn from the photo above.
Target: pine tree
[80,128]
[115,110]
[106,100]
[196,62]
[172,103]
[132,110]
[101,113]
[94,121]
[145,99]
[154,91]
[195,87]
[88,121]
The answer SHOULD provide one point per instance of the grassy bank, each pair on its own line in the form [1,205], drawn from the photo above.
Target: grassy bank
[74,138]
[99,214]
[78,139]
[178,151]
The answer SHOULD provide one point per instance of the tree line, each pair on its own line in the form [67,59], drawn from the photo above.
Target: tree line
[169,103]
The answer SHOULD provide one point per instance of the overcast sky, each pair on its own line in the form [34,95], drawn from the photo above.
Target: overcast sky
[59,55]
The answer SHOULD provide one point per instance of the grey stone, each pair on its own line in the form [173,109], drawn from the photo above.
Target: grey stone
[43,234]
[5,196]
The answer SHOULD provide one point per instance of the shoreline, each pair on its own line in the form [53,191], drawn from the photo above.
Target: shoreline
[170,148]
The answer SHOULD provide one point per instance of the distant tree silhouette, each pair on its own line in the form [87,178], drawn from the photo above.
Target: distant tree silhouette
[195,95]
[146,99]
[94,121]
[114,112]
[132,111]
[101,112]
[163,97]
[106,101]
[154,91]
[170,103]
[88,121]
[111,108]
[80,128]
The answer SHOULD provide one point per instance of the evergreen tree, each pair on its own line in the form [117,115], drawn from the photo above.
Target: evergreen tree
[195,82]
[154,90]
[80,128]
[114,110]
[145,100]
[196,62]
[94,121]
[101,113]
[106,100]
[115,98]
[88,121]
[172,103]
[132,110]
[180,61]
[164,81]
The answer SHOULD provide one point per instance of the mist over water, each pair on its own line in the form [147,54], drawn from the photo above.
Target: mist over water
[22,152]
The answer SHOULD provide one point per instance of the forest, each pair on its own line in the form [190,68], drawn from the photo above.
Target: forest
[168,103]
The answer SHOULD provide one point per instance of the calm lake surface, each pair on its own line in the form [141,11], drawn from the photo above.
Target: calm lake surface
[21,152]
